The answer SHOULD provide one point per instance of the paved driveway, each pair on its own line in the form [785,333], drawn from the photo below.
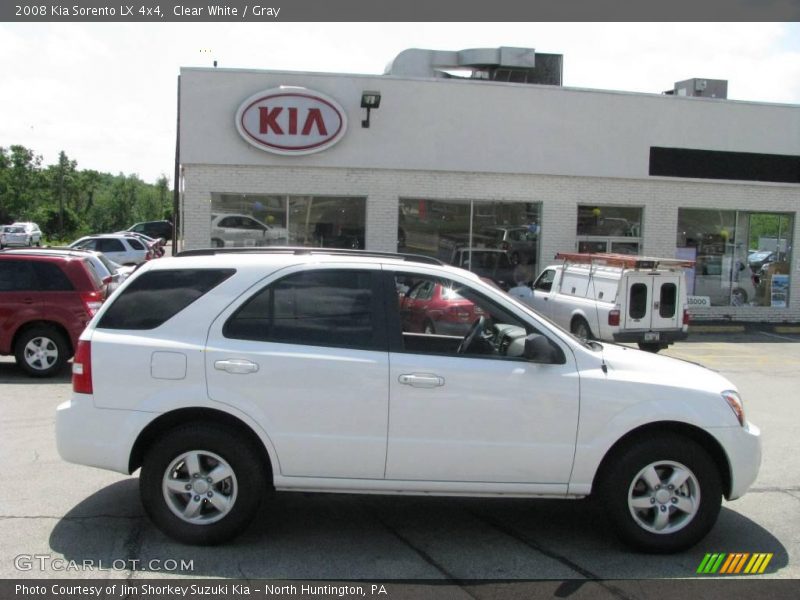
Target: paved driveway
[59,511]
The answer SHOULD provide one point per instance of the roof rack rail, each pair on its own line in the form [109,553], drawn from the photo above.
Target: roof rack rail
[300,250]
[626,261]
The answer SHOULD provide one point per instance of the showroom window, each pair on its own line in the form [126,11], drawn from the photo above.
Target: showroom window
[741,258]
[609,229]
[279,220]
[497,240]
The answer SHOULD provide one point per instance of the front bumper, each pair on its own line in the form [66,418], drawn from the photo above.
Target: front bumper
[97,437]
[743,448]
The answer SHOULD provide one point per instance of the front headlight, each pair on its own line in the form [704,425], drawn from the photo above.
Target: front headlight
[735,402]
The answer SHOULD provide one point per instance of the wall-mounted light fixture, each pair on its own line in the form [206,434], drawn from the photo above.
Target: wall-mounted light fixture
[369,100]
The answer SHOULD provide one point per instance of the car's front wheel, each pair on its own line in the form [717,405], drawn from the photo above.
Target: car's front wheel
[662,494]
[202,483]
[41,351]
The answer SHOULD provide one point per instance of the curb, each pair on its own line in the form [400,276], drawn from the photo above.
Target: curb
[716,329]
[727,327]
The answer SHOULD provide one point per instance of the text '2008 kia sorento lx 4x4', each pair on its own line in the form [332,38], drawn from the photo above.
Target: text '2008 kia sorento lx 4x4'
[226,374]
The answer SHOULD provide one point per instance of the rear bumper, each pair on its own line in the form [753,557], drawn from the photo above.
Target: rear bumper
[664,337]
[97,437]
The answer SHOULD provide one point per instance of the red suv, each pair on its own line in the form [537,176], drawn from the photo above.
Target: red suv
[45,303]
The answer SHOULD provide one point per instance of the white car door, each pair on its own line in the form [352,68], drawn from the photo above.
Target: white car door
[305,355]
[541,299]
[478,417]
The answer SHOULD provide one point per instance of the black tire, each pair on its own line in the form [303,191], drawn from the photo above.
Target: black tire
[650,346]
[580,329]
[243,490]
[622,487]
[41,351]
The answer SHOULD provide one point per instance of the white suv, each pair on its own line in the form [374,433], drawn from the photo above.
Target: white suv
[225,374]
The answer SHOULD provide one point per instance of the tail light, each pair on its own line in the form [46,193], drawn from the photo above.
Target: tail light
[92,301]
[686,316]
[613,317]
[82,368]
[459,312]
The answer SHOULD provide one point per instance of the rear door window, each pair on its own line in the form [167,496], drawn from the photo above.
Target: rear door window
[331,307]
[17,276]
[637,302]
[156,296]
[668,298]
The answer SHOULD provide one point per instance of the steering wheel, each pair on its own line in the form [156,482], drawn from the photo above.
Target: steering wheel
[472,335]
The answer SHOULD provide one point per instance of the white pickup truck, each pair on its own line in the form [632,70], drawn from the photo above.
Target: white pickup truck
[614,297]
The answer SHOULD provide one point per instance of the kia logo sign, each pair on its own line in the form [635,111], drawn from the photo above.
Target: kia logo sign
[291,120]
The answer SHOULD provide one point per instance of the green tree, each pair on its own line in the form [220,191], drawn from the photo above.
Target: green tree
[22,182]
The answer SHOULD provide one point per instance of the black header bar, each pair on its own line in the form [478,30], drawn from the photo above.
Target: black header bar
[154,11]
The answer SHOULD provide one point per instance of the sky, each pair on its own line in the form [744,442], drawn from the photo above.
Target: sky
[106,93]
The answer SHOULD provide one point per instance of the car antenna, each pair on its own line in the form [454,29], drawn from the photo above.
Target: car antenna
[603,365]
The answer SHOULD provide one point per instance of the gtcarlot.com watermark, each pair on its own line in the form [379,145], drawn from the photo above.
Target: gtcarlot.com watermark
[47,563]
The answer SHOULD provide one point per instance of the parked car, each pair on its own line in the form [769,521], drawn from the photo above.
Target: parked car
[156,246]
[225,373]
[46,299]
[612,297]
[724,283]
[229,229]
[98,266]
[758,259]
[153,229]
[20,234]
[492,263]
[434,308]
[518,242]
[122,249]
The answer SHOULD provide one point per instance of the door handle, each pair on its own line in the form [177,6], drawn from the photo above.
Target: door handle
[236,366]
[422,380]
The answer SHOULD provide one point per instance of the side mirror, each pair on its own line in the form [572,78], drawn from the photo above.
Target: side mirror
[539,349]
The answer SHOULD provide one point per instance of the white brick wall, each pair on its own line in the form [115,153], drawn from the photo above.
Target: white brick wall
[560,197]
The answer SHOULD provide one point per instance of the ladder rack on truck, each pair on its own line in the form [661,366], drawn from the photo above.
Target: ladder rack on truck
[624,261]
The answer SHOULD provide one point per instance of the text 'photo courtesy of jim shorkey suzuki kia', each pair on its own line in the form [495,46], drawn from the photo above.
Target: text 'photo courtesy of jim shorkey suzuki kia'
[228,373]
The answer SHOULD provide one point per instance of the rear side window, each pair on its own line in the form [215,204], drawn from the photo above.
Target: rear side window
[157,296]
[51,278]
[135,244]
[338,308]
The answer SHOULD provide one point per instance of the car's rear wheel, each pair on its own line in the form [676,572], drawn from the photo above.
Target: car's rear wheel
[580,328]
[662,494]
[41,351]
[202,483]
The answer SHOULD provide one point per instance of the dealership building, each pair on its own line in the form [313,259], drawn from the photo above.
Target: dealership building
[486,148]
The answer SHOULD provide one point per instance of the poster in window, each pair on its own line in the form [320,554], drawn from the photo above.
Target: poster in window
[780,291]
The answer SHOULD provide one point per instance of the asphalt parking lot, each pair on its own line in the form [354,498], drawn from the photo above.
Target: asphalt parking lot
[55,515]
